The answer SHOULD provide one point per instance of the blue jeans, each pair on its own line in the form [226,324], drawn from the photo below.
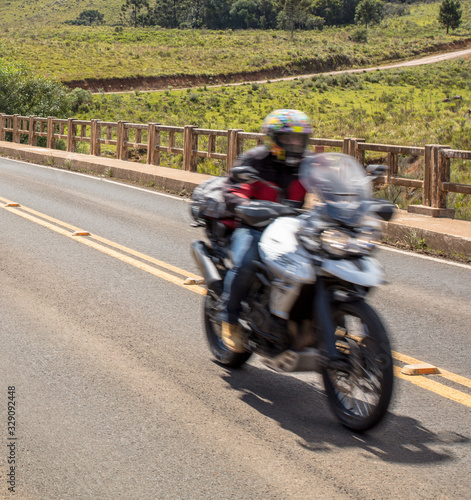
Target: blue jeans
[244,251]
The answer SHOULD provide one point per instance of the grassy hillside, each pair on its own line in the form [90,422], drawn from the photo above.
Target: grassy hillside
[37,13]
[381,106]
[403,106]
[394,107]
[75,53]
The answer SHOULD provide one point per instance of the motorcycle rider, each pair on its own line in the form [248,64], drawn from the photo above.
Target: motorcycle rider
[286,134]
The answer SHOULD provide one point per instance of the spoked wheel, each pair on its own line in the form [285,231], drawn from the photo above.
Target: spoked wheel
[360,396]
[213,333]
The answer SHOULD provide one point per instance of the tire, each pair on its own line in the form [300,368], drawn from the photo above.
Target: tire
[223,355]
[360,398]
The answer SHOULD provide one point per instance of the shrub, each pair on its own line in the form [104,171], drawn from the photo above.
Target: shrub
[88,18]
[359,35]
[79,99]
[24,93]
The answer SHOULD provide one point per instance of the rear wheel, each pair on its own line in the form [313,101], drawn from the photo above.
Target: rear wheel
[213,333]
[360,396]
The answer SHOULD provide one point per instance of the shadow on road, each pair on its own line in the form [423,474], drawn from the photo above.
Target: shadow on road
[301,408]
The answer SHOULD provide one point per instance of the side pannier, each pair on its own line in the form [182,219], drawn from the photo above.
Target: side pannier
[208,199]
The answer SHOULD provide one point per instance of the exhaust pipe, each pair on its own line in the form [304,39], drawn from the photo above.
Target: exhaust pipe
[308,360]
[206,266]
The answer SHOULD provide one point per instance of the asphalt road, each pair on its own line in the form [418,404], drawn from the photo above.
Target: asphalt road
[115,392]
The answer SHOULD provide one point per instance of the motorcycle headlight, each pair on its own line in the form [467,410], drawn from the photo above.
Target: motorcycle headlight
[335,242]
[366,239]
[339,243]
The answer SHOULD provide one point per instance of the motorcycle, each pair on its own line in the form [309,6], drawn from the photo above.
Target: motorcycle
[307,309]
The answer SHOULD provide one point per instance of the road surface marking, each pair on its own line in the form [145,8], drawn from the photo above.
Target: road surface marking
[186,200]
[458,379]
[112,244]
[47,222]
[425,257]
[436,387]
[98,243]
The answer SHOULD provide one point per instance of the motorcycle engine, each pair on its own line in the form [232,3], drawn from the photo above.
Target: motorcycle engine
[271,332]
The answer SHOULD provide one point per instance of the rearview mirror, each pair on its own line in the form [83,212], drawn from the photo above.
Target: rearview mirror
[377,170]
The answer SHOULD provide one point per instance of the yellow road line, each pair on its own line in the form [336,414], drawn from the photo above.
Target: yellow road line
[443,373]
[130,251]
[109,251]
[436,387]
[93,241]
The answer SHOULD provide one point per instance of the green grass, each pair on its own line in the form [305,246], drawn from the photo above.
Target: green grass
[37,13]
[75,52]
[391,106]
[402,106]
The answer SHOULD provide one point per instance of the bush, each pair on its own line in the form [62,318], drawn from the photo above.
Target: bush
[360,35]
[88,18]
[24,93]
[79,99]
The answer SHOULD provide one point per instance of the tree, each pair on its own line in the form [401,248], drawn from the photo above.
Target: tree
[292,13]
[348,11]
[167,13]
[267,14]
[88,18]
[450,14]
[216,14]
[24,93]
[330,10]
[245,14]
[196,10]
[131,11]
[369,12]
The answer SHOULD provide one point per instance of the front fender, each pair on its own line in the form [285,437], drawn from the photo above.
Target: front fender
[366,271]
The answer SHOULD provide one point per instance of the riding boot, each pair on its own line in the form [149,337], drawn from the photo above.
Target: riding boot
[231,337]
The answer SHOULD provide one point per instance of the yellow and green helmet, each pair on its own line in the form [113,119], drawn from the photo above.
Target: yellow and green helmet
[286,134]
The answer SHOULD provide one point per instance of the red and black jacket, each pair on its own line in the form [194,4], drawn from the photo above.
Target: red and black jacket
[271,170]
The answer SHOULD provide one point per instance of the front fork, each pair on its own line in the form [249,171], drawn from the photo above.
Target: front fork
[324,315]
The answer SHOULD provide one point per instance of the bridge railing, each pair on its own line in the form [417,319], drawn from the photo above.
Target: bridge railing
[153,141]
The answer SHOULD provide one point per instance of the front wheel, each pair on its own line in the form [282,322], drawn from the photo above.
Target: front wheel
[213,333]
[360,395]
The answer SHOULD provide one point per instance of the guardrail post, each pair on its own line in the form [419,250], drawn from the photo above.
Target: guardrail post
[157,145]
[392,166]
[356,152]
[15,127]
[440,172]
[71,133]
[151,143]
[232,138]
[346,146]
[428,174]
[95,135]
[122,138]
[2,127]
[190,145]
[51,141]
[434,172]
[31,131]
[443,176]
[350,147]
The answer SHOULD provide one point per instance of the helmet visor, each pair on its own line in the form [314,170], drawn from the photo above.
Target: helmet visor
[292,143]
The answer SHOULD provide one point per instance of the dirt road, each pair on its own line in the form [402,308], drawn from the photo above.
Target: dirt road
[183,82]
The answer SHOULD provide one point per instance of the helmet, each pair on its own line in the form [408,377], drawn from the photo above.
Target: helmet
[286,134]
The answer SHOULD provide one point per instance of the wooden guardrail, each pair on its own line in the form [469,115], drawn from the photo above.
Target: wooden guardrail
[192,143]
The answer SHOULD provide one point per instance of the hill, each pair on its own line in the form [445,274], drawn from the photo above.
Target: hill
[15,14]
[116,57]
